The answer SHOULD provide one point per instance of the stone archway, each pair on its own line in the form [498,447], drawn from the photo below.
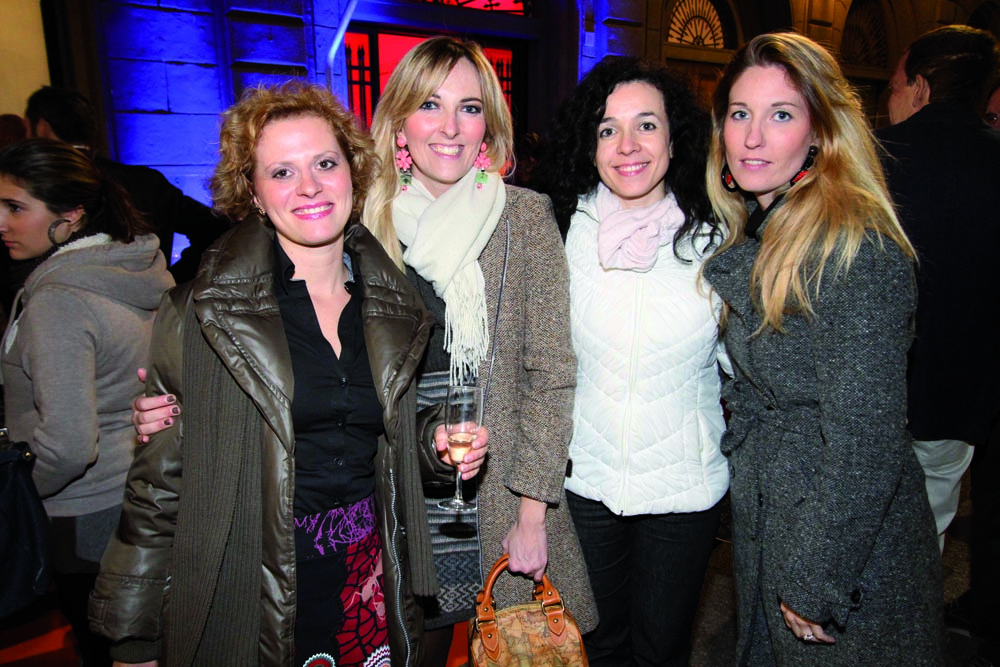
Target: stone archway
[697,37]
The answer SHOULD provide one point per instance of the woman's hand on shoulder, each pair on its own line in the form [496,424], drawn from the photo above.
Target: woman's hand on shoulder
[152,414]
[527,542]
[806,630]
[151,663]
[474,460]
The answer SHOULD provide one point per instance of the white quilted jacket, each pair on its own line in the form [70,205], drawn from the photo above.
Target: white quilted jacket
[647,419]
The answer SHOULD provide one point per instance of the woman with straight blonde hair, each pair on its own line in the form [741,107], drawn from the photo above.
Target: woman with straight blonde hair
[488,261]
[835,552]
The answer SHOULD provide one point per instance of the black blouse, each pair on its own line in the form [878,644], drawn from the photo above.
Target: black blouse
[336,413]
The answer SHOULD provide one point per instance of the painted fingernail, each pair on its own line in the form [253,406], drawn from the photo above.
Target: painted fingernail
[175,410]
[171,398]
[168,421]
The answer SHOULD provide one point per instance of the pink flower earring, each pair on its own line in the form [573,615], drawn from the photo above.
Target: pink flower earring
[482,163]
[403,163]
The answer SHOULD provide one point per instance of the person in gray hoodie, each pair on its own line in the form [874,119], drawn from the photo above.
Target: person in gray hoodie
[82,321]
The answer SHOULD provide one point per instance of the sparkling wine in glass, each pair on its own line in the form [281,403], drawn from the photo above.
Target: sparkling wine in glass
[463,414]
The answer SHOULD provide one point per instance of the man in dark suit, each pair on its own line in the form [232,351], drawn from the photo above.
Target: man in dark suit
[68,116]
[943,166]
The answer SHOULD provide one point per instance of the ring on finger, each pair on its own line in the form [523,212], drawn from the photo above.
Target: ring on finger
[809,637]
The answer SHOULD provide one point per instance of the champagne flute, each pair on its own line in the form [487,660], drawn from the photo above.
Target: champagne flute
[463,414]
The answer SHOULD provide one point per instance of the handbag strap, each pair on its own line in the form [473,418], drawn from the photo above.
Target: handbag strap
[486,617]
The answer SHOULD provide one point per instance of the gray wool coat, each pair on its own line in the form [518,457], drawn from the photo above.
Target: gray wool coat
[529,407]
[830,514]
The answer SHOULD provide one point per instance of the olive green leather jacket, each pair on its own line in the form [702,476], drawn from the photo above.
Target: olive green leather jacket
[234,300]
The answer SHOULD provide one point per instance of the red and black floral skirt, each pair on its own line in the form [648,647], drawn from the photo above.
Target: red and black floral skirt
[340,614]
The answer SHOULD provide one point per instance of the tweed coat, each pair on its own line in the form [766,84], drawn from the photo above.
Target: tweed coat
[529,407]
[830,514]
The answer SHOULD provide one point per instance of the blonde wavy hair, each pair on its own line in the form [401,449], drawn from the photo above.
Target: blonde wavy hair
[828,213]
[418,76]
[242,123]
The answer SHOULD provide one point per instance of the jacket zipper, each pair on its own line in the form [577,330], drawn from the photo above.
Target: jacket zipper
[395,558]
[627,421]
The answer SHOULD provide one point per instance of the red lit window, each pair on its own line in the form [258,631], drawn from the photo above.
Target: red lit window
[358,56]
[502,60]
[371,59]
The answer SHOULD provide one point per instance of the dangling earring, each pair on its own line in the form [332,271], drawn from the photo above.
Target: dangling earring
[482,163]
[257,207]
[52,231]
[807,165]
[403,163]
[728,182]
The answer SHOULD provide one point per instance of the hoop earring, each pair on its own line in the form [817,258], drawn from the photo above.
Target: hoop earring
[806,165]
[403,163]
[728,182]
[482,163]
[52,231]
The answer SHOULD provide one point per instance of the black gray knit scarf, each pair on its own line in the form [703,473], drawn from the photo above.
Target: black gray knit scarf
[215,591]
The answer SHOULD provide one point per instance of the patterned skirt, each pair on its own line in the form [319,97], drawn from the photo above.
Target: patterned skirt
[454,537]
[340,613]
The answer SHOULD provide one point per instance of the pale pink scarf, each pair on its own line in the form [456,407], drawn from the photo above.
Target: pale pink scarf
[630,238]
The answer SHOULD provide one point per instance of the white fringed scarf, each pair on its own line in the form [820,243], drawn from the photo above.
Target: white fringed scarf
[444,238]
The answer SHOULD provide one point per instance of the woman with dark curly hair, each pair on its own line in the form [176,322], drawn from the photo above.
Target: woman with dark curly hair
[275,527]
[625,170]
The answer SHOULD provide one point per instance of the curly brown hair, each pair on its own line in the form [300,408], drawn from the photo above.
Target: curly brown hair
[242,123]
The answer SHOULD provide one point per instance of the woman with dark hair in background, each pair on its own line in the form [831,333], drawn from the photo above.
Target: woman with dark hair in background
[835,550]
[625,170]
[80,324]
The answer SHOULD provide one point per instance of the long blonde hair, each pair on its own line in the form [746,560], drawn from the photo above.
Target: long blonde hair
[828,212]
[417,76]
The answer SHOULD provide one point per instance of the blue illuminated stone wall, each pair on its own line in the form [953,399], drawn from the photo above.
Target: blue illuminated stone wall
[171,66]
[163,87]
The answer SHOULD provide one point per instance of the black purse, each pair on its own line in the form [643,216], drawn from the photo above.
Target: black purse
[24,529]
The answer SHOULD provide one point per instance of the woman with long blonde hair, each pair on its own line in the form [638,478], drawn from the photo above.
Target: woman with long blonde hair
[835,553]
[488,261]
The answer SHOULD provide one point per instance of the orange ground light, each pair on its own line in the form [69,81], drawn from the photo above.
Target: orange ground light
[40,637]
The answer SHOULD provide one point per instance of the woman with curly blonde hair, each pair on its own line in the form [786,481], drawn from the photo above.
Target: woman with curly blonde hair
[281,514]
[835,550]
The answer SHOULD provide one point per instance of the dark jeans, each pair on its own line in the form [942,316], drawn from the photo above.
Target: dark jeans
[646,572]
[985,543]
[73,593]
[77,543]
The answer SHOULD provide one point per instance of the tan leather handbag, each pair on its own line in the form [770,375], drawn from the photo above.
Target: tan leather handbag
[541,633]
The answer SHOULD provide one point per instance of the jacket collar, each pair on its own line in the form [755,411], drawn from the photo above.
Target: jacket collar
[397,326]
[236,304]
[729,271]
[729,274]
[234,300]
